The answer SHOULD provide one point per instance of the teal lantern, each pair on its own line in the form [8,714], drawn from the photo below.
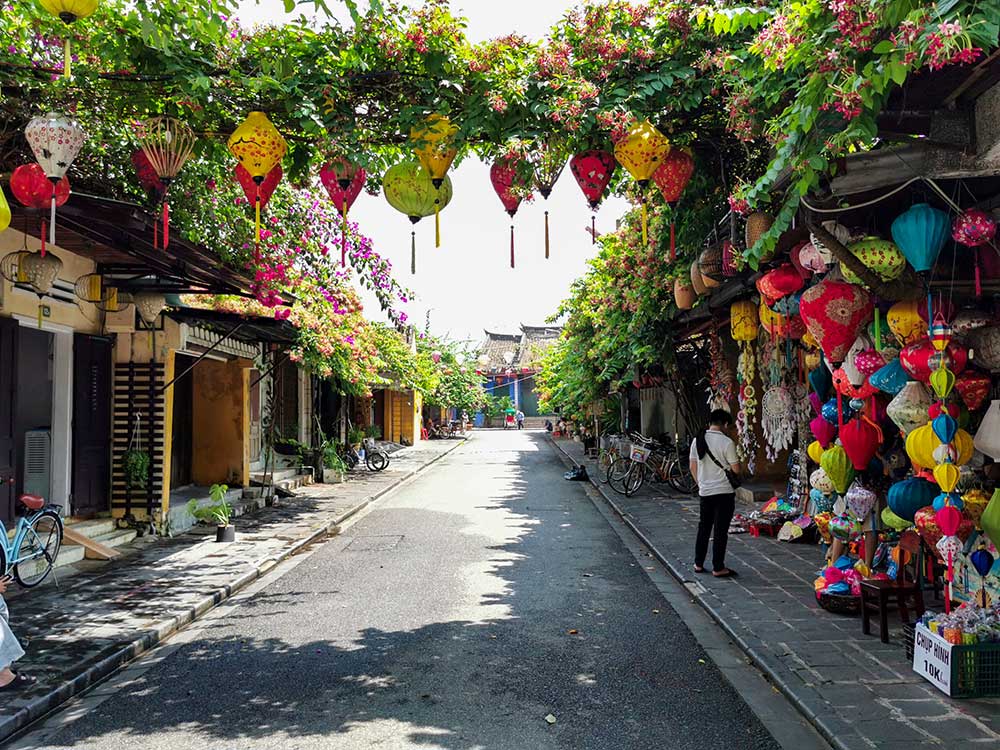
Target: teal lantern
[890,378]
[944,427]
[920,233]
[821,380]
[910,495]
[948,498]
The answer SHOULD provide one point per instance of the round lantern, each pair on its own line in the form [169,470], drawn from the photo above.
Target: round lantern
[811,259]
[893,521]
[259,148]
[868,362]
[973,227]
[832,414]
[684,294]
[671,177]
[344,182]
[860,500]
[821,481]
[986,343]
[947,499]
[881,256]
[908,409]
[860,439]
[4,211]
[838,467]
[968,320]
[55,140]
[844,528]
[547,163]
[920,233]
[409,189]
[32,188]
[982,561]
[743,320]
[834,311]
[921,359]
[973,387]
[907,497]
[815,451]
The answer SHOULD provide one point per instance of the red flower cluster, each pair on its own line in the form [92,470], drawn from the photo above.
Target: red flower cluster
[848,103]
[777,39]
[946,46]
[855,22]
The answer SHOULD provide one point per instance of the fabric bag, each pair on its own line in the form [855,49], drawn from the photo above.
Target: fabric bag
[732,477]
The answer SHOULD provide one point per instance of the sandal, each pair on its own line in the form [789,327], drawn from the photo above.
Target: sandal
[699,569]
[729,573]
[20,682]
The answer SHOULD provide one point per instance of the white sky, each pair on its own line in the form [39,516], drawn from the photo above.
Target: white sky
[467,283]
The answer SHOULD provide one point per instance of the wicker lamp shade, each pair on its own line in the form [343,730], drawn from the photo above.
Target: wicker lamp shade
[757,224]
[10,267]
[89,288]
[167,143]
[39,271]
[149,305]
[710,263]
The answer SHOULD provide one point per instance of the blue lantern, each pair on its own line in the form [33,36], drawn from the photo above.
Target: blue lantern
[948,498]
[944,426]
[920,233]
[890,378]
[982,561]
[821,380]
[907,497]
[829,411]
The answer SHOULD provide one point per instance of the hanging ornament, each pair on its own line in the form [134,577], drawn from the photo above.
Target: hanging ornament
[593,171]
[823,430]
[547,162]
[435,147]
[259,148]
[973,228]
[921,359]
[881,256]
[904,320]
[743,320]
[344,182]
[841,233]
[4,211]
[32,189]
[908,409]
[920,233]
[838,467]
[834,311]
[69,11]
[671,177]
[821,481]
[510,187]
[777,420]
[39,270]
[710,264]
[860,500]
[258,194]
[409,189]
[986,343]
[55,140]
[167,144]
[641,152]
[147,176]
[973,387]
[861,438]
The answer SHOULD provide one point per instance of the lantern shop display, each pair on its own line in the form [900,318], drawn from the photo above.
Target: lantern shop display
[641,152]
[259,148]
[409,189]
[55,140]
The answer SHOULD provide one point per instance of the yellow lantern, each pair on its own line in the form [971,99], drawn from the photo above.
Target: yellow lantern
[743,320]
[68,12]
[259,147]
[904,320]
[838,467]
[434,146]
[920,446]
[946,475]
[963,446]
[809,340]
[4,211]
[975,503]
[815,451]
[641,152]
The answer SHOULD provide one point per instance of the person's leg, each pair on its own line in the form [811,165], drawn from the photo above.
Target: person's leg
[725,507]
[10,649]
[707,514]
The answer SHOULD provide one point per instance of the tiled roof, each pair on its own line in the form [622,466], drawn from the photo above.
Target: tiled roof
[528,347]
[535,342]
[494,348]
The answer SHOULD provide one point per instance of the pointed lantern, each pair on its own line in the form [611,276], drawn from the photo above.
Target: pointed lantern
[434,146]
[167,144]
[671,177]
[410,190]
[641,152]
[593,171]
[55,140]
[510,187]
[548,161]
[4,211]
[259,147]
[69,11]
[343,182]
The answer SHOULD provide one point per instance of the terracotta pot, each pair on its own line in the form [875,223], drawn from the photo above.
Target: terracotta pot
[684,294]
[757,224]
[696,280]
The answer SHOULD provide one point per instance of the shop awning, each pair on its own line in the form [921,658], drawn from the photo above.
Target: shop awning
[248,328]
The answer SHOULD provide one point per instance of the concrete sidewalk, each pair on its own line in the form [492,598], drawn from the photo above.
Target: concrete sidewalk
[78,631]
[857,691]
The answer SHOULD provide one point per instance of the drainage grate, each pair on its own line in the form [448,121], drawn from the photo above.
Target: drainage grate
[374,543]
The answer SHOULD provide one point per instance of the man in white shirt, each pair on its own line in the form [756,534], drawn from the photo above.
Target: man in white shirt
[712,453]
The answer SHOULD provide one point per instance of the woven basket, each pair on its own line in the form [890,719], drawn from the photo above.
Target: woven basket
[841,604]
[710,263]
[697,281]
[757,224]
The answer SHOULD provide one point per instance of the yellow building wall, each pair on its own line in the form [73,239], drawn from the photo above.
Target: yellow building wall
[221,423]
[402,416]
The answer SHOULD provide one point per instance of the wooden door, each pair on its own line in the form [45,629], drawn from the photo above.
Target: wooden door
[8,393]
[92,383]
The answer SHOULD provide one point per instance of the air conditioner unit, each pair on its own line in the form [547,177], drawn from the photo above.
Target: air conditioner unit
[37,462]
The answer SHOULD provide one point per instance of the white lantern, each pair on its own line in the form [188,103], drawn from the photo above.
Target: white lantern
[987,438]
[908,409]
[55,140]
[149,305]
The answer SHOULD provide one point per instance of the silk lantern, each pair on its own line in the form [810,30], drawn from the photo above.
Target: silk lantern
[973,387]
[641,152]
[671,177]
[258,194]
[344,182]
[990,520]
[4,211]
[69,11]
[945,499]
[435,147]
[32,189]
[167,144]
[974,228]
[946,475]
[838,467]
[908,409]
[905,322]
[409,189]
[921,359]
[987,438]
[55,140]
[860,439]
[823,430]
[821,481]
[835,410]
[743,320]
[860,500]
[547,162]
[259,147]
[868,362]
[986,343]
[815,451]
[834,311]
[510,186]
[920,233]
[146,174]
[881,256]
[908,496]
[780,282]
[593,171]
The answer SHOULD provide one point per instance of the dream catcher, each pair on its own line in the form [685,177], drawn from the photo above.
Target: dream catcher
[778,420]
[744,324]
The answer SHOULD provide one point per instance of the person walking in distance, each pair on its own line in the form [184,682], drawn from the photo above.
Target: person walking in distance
[715,465]
[520,419]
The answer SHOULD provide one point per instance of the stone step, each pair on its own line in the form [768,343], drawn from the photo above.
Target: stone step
[117,537]
[92,527]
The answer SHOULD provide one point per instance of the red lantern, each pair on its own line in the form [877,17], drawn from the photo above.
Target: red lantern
[941,407]
[729,259]
[861,439]
[32,187]
[671,177]
[973,387]
[921,359]
[267,187]
[343,182]
[509,187]
[593,171]
[780,282]
[147,175]
[834,312]
[949,520]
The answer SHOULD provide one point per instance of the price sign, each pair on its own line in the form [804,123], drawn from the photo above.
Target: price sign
[932,659]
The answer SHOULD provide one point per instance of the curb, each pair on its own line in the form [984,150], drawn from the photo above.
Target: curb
[808,711]
[45,704]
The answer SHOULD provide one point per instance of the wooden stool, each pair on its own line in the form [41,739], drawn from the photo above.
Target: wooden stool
[876,596]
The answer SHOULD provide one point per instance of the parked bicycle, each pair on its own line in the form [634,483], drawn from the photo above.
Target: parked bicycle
[649,459]
[31,553]
[376,457]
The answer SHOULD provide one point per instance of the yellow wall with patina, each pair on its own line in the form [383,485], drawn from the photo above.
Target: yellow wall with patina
[402,416]
[220,446]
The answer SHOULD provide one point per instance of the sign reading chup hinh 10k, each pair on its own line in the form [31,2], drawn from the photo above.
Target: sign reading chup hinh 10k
[932,658]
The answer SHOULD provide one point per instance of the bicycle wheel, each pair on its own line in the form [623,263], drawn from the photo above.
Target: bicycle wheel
[634,479]
[39,549]
[679,477]
[617,473]
[604,464]
[376,461]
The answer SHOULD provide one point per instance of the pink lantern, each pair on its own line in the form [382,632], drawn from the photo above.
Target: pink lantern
[343,182]
[921,358]
[834,312]
[868,362]
[509,187]
[973,228]
[860,439]
[823,431]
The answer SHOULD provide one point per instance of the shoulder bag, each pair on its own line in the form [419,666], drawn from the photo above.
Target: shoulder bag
[732,477]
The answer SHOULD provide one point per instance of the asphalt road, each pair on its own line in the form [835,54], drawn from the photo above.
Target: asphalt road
[476,601]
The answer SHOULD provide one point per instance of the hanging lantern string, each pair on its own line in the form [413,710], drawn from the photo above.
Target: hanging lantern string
[546,234]
[67,57]
[343,234]
[166,223]
[413,252]
[437,223]
[645,235]
[52,216]
[593,229]
[257,214]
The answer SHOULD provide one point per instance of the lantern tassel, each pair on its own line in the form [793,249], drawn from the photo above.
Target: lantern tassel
[413,252]
[67,59]
[156,235]
[949,578]
[979,276]
[511,245]
[593,229]
[878,329]
[546,234]
[673,245]
[645,236]
[52,217]
[257,214]
[437,223]
[166,224]
[343,235]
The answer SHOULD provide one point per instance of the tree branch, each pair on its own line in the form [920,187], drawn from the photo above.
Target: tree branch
[907,287]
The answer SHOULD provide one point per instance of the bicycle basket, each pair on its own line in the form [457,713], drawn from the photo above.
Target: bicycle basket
[639,454]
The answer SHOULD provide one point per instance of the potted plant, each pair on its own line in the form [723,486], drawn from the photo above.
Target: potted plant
[219,512]
[136,468]
[355,436]
[334,467]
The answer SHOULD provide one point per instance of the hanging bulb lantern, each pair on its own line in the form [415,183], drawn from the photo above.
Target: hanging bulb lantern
[4,211]
[548,161]
[434,146]
[89,288]
[920,233]
[69,11]
[837,466]
[55,140]
[974,228]
[258,195]
[861,439]
[259,148]
[409,189]
[344,182]
[641,152]
[834,312]
[32,189]
[510,187]
[167,144]
[744,320]
[671,177]
[593,171]
[908,409]
[149,305]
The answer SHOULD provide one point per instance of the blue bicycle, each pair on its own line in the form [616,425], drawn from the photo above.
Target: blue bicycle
[38,535]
